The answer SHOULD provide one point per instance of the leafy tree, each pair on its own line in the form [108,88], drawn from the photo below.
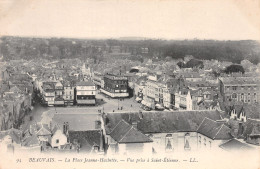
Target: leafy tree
[194,63]
[234,68]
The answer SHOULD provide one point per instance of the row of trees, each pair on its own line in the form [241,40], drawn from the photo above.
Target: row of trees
[27,48]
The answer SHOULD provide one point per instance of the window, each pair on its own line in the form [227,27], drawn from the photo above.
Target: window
[234,87]
[210,144]
[234,95]
[168,142]
[186,141]
[57,141]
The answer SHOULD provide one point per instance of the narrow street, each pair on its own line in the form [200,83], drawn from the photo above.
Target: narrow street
[36,114]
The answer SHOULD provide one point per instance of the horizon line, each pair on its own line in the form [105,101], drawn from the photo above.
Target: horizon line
[126,38]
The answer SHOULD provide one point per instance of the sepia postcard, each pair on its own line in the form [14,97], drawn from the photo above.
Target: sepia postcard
[129,84]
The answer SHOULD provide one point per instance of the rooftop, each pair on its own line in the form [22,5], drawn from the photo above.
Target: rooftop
[86,139]
[85,83]
[126,133]
[214,130]
[234,145]
[162,121]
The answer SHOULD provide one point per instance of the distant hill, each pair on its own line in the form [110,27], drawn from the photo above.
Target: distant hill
[60,48]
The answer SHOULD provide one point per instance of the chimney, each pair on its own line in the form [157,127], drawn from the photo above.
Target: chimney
[134,124]
[101,147]
[67,127]
[64,128]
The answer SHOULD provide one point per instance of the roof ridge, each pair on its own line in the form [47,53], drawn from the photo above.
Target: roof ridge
[117,125]
[203,121]
[126,133]
[141,133]
[218,131]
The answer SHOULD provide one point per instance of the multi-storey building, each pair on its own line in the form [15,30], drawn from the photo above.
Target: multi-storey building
[160,91]
[59,91]
[97,79]
[245,89]
[170,131]
[48,93]
[183,99]
[68,93]
[151,94]
[115,86]
[85,93]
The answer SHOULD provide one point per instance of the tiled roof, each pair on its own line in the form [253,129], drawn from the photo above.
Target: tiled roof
[252,127]
[234,145]
[251,110]
[161,122]
[85,83]
[43,131]
[126,133]
[240,80]
[30,141]
[86,139]
[214,130]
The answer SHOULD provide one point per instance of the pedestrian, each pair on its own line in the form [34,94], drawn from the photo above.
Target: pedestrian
[131,105]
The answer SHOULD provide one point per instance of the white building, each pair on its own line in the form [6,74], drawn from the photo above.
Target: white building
[85,93]
[183,100]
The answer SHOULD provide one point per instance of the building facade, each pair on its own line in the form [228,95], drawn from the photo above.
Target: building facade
[68,96]
[115,86]
[245,89]
[85,93]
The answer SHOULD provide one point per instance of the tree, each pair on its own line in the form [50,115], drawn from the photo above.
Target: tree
[181,65]
[234,68]
[194,63]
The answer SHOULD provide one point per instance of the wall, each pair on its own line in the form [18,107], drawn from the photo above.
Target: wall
[58,135]
[135,148]
[177,141]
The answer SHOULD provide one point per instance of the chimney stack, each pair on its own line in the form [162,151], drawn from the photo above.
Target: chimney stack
[101,148]
[64,128]
[67,127]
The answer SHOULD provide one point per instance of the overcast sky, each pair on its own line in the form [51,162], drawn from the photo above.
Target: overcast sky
[170,19]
